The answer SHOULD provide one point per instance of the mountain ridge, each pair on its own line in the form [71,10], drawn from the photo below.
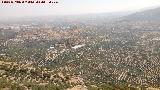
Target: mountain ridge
[149,15]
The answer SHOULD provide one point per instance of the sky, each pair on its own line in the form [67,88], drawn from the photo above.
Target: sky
[71,7]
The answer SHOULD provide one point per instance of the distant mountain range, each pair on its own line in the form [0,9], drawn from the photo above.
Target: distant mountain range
[150,15]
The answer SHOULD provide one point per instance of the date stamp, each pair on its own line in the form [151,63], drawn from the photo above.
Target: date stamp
[28,1]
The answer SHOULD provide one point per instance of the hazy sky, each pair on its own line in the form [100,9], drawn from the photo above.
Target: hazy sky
[67,7]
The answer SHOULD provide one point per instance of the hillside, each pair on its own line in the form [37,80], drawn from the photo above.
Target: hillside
[149,15]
